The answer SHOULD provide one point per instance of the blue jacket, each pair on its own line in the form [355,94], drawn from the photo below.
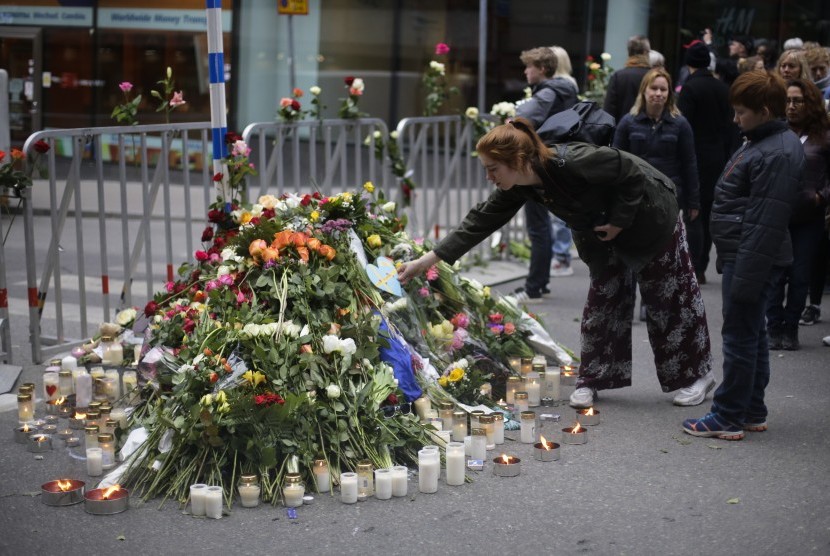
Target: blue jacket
[549,97]
[667,145]
[754,198]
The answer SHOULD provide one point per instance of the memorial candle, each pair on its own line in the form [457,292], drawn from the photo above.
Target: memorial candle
[429,468]
[213,502]
[348,488]
[25,408]
[400,480]
[459,425]
[383,484]
[293,490]
[321,475]
[249,491]
[197,499]
[455,463]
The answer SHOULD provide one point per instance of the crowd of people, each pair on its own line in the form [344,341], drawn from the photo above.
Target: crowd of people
[734,153]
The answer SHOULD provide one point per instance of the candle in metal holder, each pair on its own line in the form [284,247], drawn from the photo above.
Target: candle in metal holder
[39,443]
[49,429]
[66,411]
[546,450]
[567,376]
[107,501]
[78,421]
[50,420]
[63,434]
[587,417]
[577,434]
[53,407]
[22,433]
[63,492]
[507,466]
[73,441]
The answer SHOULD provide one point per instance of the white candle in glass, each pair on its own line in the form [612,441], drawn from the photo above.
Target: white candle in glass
[498,428]
[197,498]
[293,495]
[512,386]
[521,401]
[422,405]
[429,468]
[51,384]
[528,424]
[459,426]
[533,389]
[118,414]
[94,462]
[213,502]
[455,463]
[249,495]
[321,475]
[429,415]
[83,389]
[113,384]
[383,484]
[436,422]
[478,444]
[348,488]
[69,363]
[552,382]
[400,480]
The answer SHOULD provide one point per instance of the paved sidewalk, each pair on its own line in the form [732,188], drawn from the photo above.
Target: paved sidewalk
[639,487]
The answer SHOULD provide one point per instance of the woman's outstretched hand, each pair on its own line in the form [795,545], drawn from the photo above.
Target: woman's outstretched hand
[410,270]
[607,232]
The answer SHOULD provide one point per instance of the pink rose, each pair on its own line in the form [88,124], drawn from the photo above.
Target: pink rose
[509,328]
[285,102]
[441,48]
[125,86]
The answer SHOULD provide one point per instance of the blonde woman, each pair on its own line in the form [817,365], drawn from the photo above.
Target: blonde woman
[792,65]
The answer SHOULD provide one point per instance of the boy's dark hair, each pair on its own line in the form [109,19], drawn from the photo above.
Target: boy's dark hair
[543,58]
[638,45]
[759,89]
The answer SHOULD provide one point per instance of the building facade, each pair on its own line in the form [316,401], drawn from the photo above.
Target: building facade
[66,58]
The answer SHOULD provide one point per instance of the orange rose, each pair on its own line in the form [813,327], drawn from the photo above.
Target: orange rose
[314,243]
[327,251]
[303,252]
[281,239]
[299,239]
[256,247]
[306,348]
[199,296]
[270,254]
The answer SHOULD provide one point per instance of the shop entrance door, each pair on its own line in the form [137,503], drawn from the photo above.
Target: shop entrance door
[21,57]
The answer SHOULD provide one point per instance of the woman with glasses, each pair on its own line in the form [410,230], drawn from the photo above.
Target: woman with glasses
[807,117]
[655,131]
[624,217]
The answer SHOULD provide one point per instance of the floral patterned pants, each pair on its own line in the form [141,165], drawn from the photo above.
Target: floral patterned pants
[676,321]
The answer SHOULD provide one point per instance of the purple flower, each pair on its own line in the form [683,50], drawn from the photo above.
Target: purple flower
[338,225]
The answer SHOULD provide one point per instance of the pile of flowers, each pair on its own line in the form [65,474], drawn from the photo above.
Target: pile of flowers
[275,347]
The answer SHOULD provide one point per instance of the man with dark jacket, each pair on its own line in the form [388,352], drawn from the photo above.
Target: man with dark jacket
[624,84]
[754,198]
[704,101]
[549,96]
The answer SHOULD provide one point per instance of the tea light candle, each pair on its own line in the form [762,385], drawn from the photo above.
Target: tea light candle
[383,484]
[39,443]
[576,434]
[587,417]
[422,405]
[455,463]
[213,502]
[322,477]
[197,499]
[429,468]
[50,421]
[49,429]
[459,425]
[400,480]
[73,441]
[65,411]
[64,434]
[94,462]
[107,501]
[546,450]
[62,492]
[77,421]
[22,433]
[348,488]
[53,406]
[507,466]
[249,491]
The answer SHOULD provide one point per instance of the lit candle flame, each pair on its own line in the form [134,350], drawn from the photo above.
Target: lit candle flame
[25,427]
[64,485]
[111,490]
[79,415]
[590,411]
[544,442]
[567,368]
[40,438]
[576,428]
[60,401]
[505,458]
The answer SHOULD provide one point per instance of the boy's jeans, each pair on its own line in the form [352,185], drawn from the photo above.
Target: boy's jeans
[740,397]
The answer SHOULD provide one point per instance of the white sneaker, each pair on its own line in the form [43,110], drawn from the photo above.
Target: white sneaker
[559,269]
[583,397]
[826,341]
[695,394]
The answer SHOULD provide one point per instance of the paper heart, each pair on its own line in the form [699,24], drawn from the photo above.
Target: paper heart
[384,275]
[51,389]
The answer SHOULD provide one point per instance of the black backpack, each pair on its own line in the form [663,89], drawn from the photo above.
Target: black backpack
[585,122]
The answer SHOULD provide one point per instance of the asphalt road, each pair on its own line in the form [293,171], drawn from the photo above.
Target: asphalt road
[639,486]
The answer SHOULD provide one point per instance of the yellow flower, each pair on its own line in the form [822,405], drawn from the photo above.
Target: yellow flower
[224,408]
[374,240]
[245,218]
[314,216]
[485,291]
[206,400]
[254,378]
[346,196]
[369,187]
[444,381]
[221,397]
[456,374]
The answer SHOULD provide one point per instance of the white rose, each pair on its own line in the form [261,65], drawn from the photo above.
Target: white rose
[157,319]
[126,316]
[293,201]
[251,329]
[256,209]
[290,329]
[437,66]
[314,90]
[605,56]
[357,84]
[388,207]
[305,331]
[471,112]
[333,391]
[348,346]
[394,134]
[331,343]
[223,270]
[268,201]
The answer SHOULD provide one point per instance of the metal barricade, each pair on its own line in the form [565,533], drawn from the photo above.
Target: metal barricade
[5,325]
[119,211]
[324,155]
[438,151]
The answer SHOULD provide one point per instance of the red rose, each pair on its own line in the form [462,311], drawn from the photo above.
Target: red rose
[349,80]
[392,398]
[41,146]
[217,177]
[295,105]
[317,195]
[189,326]
[150,309]
[232,137]
[219,242]
[213,377]
[306,200]
[495,318]
[216,216]
[202,256]
[268,213]
[207,234]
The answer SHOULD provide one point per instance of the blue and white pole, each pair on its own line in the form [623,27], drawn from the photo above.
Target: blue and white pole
[218,118]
